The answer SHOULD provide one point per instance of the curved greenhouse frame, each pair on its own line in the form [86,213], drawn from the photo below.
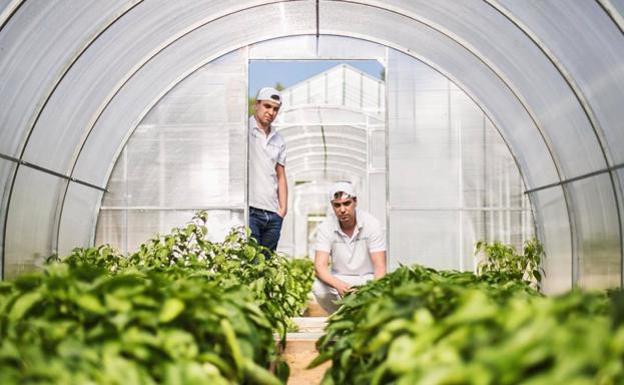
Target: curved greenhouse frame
[78,78]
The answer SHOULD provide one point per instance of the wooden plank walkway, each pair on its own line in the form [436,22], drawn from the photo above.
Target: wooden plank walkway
[301,350]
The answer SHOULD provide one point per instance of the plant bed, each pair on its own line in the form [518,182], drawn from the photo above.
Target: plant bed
[421,326]
[179,310]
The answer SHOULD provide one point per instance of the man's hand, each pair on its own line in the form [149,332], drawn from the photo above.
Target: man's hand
[343,288]
[281,212]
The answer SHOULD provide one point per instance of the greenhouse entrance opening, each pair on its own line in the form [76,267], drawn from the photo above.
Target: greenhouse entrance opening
[331,115]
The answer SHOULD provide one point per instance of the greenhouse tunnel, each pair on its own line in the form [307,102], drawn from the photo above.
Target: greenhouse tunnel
[94,92]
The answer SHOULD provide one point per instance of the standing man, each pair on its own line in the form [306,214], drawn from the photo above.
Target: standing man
[268,191]
[353,241]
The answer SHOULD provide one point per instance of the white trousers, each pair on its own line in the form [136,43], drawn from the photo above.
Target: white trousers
[326,295]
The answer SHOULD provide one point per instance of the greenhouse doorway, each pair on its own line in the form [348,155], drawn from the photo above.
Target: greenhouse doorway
[333,112]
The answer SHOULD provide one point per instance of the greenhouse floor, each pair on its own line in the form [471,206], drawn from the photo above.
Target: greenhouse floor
[300,347]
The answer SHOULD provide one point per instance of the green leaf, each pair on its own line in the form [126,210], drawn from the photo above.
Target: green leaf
[232,344]
[90,303]
[23,304]
[172,308]
[259,375]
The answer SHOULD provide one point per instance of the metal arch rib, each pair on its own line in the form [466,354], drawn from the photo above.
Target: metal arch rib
[9,11]
[614,14]
[591,117]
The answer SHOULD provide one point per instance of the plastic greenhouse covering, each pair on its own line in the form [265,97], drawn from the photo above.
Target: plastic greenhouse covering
[493,119]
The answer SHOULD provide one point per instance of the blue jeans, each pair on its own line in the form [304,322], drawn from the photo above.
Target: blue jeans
[265,227]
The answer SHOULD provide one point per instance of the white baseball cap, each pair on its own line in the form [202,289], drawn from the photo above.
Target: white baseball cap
[345,187]
[270,93]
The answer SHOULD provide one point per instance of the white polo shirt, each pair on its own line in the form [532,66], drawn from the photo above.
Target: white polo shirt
[265,152]
[351,255]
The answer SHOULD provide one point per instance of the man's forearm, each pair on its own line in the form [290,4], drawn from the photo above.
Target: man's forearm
[282,190]
[282,195]
[379,264]
[379,271]
[324,275]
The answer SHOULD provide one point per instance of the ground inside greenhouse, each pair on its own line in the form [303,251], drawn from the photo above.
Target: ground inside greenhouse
[300,347]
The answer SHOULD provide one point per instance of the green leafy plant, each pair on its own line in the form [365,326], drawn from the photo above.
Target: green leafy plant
[508,264]
[359,334]
[280,285]
[180,310]
[80,324]
[421,326]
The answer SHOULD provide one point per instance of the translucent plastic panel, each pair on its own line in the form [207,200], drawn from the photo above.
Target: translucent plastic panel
[341,85]
[311,47]
[498,171]
[30,231]
[377,150]
[286,242]
[423,146]
[377,197]
[77,225]
[38,42]
[553,224]
[318,162]
[619,174]
[472,229]
[508,50]
[592,53]
[598,232]
[303,130]
[186,155]
[329,152]
[447,159]
[318,173]
[127,229]
[504,109]
[301,141]
[203,137]
[304,143]
[329,115]
[7,169]
[170,66]
[353,89]
[344,130]
[325,167]
[293,151]
[291,47]
[423,237]
[180,166]
[477,152]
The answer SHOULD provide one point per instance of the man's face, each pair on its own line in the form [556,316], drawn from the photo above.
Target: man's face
[266,112]
[344,208]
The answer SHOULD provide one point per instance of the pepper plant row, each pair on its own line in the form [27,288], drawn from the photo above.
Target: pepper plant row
[280,285]
[181,310]
[421,326]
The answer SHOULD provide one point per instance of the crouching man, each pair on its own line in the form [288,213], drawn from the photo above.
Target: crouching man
[350,248]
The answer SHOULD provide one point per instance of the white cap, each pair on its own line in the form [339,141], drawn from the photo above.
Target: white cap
[270,93]
[345,187]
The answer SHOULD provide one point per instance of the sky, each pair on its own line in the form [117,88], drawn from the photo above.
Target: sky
[264,73]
